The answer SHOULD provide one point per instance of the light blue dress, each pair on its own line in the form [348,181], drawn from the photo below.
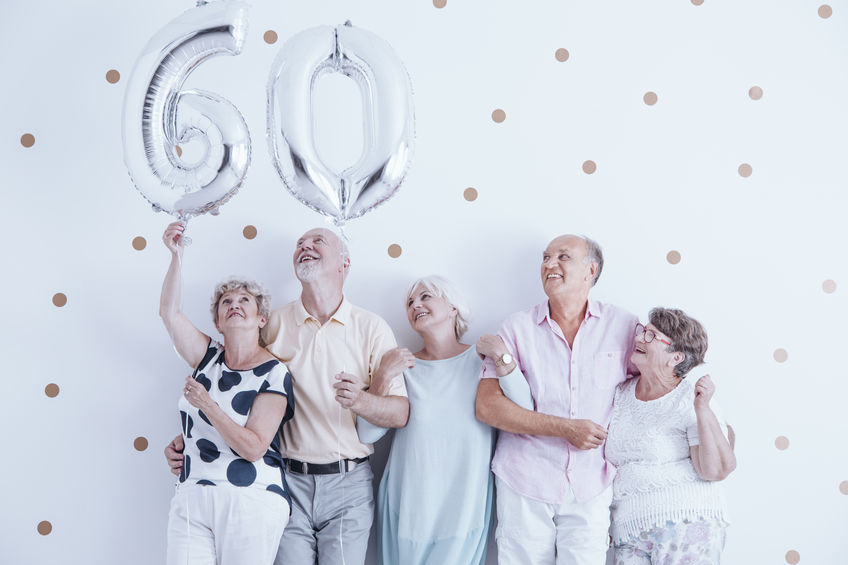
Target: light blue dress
[435,500]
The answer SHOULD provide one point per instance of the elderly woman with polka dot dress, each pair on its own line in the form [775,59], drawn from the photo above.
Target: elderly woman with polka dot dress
[670,446]
[232,503]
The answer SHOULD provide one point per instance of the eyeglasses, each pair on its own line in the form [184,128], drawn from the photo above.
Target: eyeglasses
[650,335]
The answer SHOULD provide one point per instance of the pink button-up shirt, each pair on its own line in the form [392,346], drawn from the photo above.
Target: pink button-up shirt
[576,382]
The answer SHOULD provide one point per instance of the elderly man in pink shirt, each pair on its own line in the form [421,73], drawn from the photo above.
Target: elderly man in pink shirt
[553,483]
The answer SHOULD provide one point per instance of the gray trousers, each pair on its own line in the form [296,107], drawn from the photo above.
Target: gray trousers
[331,516]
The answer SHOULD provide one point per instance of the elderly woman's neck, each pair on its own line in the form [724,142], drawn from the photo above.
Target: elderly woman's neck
[440,345]
[655,385]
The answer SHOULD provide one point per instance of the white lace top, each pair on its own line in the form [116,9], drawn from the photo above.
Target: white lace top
[649,444]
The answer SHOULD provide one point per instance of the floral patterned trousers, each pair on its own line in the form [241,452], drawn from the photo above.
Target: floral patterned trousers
[677,543]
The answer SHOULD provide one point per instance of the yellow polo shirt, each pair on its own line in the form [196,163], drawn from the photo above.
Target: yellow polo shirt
[353,340]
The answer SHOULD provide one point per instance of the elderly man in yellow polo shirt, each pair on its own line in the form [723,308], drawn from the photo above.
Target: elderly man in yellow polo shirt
[332,349]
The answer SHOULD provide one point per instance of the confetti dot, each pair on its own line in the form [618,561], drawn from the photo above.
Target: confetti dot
[51,390]
[395,250]
[249,232]
[440,3]
[470,194]
[498,116]
[825,11]
[673,257]
[793,557]
[139,243]
[755,92]
[561,55]
[745,170]
[59,299]
[140,443]
[697,2]
[782,443]
[27,140]
[780,355]
[829,286]
[45,528]
[179,150]
[112,76]
[843,487]
[589,167]
[270,37]
[650,98]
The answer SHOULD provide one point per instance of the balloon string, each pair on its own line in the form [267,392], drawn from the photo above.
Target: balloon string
[342,462]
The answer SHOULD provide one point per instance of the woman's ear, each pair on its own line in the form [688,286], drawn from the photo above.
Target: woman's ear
[262,321]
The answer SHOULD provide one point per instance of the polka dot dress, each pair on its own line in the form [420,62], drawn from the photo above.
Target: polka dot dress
[208,458]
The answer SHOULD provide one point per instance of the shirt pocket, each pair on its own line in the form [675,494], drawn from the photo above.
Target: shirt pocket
[608,369]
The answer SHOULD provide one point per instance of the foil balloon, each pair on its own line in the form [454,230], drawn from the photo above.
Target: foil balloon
[388,120]
[159,116]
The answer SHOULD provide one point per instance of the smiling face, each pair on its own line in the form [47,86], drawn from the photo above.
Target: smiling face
[653,358]
[318,254]
[237,308]
[426,311]
[564,267]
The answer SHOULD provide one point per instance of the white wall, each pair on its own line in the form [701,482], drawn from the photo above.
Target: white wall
[755,252]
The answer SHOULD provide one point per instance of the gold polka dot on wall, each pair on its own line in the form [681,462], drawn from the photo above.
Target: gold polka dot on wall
[498,116]
[745,170]
[27,140]
[782,443]
[780,355]
[112,76]
[793,557]
[249,232]
[829,286]
[270,37]
[140,443]
[697,2]
[179,150]
[395,251]
[440,3]
[673,257]
[139,243]
[650,98]
[589,167]
[44,527]
[470,194]
[51,390]
[59,299]
[561,55]
[825,11]
[843,487]
[755,93]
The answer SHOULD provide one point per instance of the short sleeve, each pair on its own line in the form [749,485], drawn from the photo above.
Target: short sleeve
[383,340]
[275,380]
[692,425]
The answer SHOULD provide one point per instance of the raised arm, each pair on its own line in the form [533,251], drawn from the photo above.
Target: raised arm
[190,342]
[713,457]
[495,409]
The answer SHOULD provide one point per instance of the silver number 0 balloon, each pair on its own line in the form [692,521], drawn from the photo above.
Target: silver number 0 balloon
[159,115]
[388,120]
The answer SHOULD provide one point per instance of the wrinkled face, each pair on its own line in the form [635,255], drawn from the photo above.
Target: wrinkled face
[424,309]
[564,269]
[317,255]
[238,308]
[652,357]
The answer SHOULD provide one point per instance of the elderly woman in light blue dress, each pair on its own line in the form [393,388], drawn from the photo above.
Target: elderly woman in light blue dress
[434,505]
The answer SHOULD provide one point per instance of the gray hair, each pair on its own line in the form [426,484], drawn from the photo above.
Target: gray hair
[262,297]
[594,254]
[687,336]
[443,288]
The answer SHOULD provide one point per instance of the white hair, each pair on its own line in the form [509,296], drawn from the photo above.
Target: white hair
[443,288]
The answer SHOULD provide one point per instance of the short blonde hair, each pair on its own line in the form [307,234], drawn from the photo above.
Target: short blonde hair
[259,293]
[443,288]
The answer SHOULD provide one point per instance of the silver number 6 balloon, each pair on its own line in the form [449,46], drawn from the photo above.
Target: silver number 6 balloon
[159,115]
[388,120]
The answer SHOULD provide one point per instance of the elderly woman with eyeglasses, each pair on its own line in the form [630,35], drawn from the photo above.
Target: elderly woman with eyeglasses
[669,444]
[232,502]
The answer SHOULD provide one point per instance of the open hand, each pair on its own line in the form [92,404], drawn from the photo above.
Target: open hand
[394,362]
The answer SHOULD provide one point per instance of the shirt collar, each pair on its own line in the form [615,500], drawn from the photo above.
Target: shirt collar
[542,311]
[342,314]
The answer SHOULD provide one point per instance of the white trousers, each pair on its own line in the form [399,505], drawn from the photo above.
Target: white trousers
[225,525]
[570,533]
